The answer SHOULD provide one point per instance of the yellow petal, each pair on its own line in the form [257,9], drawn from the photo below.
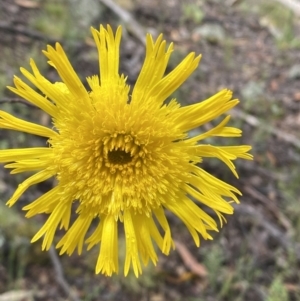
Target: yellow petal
[66,72]
[195,219]
[28,165]
[225,154]
[144,228]
[57,92]
[153,68]
[75,235]
[192,116]
[219,130]
[168,242]
[240,151]
[10,155]
[50,226]
[214,202]
[45,203]
[108,50]
[168,84]
[33,97]
[107,263]
[10,122]
[96,237]
[212,183]
[37,178]
[132,255]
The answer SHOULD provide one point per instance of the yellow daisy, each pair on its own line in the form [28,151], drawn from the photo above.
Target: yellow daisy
[122,157]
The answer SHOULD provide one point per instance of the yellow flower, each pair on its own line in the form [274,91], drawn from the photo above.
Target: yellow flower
[122,157]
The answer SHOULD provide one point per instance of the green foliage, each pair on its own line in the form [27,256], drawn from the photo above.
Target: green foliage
[52,20]
[192,12]
[15,236]
[277,18]
[277,291]
[280,21]
[213,262]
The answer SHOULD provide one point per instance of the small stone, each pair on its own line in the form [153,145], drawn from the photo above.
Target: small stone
[294,72]
[252,90]
[212,32]
[297,96]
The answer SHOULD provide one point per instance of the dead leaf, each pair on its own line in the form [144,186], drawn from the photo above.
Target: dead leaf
[274,85]
[190,261]
[20,295]
[27,3]
[292,287]
[297,96]
[272,158]
[182,278]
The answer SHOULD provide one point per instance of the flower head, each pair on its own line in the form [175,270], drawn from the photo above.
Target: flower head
[123,159]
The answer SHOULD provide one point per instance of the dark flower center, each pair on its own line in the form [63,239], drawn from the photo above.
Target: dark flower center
[118,156]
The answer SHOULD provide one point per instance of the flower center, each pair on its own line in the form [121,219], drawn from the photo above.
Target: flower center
[121,153]
[118,156]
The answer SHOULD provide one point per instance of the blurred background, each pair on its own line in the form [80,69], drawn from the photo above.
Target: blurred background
[249,46]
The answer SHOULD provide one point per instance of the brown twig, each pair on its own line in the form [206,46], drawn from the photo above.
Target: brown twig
[26,32]
[190,261]
[274,175]
[60,279]
[283,239]
[292,5]
[18,100]
[132,25]
[270,205]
